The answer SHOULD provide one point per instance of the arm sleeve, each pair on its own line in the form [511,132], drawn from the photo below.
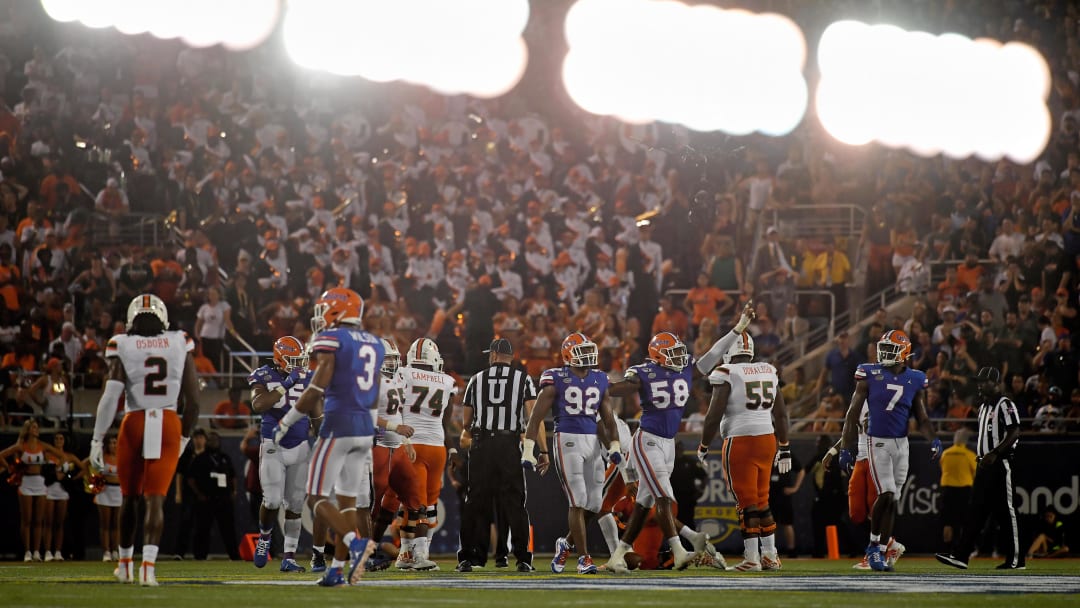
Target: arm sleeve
[714,355]
[106,410]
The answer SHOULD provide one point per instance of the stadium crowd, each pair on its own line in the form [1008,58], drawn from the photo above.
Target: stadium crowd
[464,219]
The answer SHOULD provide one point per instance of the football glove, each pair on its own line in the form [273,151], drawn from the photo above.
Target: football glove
[97,455]
[847,461]
[291,379]
[702,453]
[745,319]
[935,449]
[528,457]
[614,453]
[783,459]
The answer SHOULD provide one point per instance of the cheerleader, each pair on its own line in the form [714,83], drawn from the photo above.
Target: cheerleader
[56,499]
[30,454]
[51,394]
[108,502]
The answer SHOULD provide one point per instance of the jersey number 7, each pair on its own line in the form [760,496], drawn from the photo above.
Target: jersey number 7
[760,394]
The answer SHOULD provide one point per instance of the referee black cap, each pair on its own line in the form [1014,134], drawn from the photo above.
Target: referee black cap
[500,346]
[988,374]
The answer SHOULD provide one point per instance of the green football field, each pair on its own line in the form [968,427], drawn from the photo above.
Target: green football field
[806,582]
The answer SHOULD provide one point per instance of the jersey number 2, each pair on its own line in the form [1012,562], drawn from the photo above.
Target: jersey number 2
[577,403]
[153,384]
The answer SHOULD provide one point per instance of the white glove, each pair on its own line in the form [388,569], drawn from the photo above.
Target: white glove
[280,431]
[783,459]
[183,443]
[744,322]
[97,455]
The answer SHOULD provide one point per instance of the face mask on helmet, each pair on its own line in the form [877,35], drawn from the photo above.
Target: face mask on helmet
[890,353]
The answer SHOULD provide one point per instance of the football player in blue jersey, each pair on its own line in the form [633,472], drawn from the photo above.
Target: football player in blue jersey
[576,392]
[342,393]
[893,393]
[663,385]
[282,468]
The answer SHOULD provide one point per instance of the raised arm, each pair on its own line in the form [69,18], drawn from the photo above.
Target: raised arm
[715,354]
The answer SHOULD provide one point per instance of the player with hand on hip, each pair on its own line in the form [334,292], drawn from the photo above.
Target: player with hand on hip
[342,393]
[275,388]
[576,392]
[749,411]
[892,392]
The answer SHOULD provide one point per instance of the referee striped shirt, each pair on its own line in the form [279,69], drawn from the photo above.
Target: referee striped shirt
[995,420]
[497,396]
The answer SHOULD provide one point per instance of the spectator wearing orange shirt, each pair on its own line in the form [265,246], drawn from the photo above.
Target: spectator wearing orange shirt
[49,194]
[9,278]
[232,407]
[706,302]
[950,288]
[670,319]
[969,272]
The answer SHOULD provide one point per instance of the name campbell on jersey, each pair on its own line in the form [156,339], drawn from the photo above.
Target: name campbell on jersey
[427,395]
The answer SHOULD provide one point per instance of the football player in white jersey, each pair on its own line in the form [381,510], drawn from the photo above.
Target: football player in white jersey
[392,470]
[429,397]
[749,411]
[153,368]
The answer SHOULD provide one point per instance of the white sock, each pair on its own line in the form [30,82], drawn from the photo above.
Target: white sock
[407,545]
[129,552]
[292,534]
[676,546]
[610,529]
[768,544]
[621,549]
[750,550]
[337,563]
[149,553]
[420,547]
[348,538]
[691,534]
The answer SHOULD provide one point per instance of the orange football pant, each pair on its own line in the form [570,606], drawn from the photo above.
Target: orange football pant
[138,476]
[747,466]
[861,492]
[394,480]
[428,470]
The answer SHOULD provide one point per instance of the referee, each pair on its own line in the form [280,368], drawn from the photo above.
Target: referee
[992,493]
[498,402]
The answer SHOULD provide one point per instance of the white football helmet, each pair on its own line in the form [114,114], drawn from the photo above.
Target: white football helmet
[147,303]
[744,345]
[393,358]
[425,352]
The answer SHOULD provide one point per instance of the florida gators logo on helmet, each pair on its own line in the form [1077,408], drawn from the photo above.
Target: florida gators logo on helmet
[579,351]
[894,348]
[289,354]
[667,350]
[335,306]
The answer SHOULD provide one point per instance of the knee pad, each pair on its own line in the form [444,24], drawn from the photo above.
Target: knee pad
[745,517]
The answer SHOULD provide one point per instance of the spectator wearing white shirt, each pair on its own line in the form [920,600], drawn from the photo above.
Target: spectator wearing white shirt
[71,342]
[759,186]
[510,281]
[652,255]
[537,258]
[1008,243]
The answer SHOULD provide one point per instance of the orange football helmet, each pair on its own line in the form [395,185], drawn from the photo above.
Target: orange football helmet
[894,348]
[579,351]
[335,306]
[667,350]
[289,354]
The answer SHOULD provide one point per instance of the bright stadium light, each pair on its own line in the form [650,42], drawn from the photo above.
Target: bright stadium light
[235,24]
[466,46]
[700,66]
[933,95]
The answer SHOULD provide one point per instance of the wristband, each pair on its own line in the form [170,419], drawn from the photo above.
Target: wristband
[702,446]
[832,452]
[527,446]
[452,451]
[785,444]
[392,429]
[316,388]
[280,389]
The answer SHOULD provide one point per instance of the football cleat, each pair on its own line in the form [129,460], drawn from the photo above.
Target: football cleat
[147,578]
[334,577]
[502,562]
[747,566]
[562,553]
[949,560]
[711,558]
[876,559]
[124,571]
[262,551]
[525,567]
[893,551]
[360,549]
[862,565]
[770,562]
[318,562]
[290,565]
[616,564]
[585,565]
[405,561]
[424,564]
[377,563]
[682,559]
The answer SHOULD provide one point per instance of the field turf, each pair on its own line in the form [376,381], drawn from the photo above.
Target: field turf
[805,582]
